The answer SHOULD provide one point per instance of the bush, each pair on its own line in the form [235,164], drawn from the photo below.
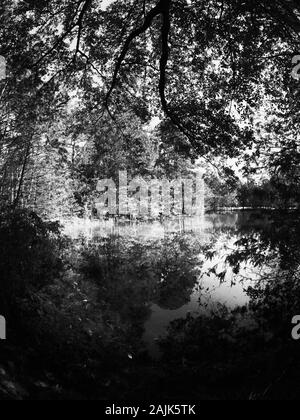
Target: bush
[29,250]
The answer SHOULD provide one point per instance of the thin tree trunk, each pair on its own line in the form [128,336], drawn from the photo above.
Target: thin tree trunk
[24,167]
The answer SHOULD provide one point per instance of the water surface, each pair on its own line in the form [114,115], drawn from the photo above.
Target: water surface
[166,269]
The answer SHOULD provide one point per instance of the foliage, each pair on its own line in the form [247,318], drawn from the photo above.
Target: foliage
[30,254]
[82,87]
[157,87]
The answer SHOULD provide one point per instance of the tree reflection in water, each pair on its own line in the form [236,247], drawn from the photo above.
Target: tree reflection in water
[249,348]
[178,311]
[222,305]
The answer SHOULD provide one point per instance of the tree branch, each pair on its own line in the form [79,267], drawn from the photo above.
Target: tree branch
[156,11]
[162,8]
[78,22]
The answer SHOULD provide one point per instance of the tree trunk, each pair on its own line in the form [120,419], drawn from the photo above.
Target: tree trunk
[24,167]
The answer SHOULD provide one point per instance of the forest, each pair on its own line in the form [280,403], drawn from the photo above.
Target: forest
[102,306]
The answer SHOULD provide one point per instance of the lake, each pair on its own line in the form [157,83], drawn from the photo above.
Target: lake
[177,268]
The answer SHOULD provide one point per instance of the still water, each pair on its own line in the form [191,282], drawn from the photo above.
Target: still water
[198,285]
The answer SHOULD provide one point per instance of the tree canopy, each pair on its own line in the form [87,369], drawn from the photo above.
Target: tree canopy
[218,73]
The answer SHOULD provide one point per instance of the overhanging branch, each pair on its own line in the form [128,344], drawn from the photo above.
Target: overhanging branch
[161,9]
[156,11]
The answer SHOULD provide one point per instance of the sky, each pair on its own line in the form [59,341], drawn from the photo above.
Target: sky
[106,3]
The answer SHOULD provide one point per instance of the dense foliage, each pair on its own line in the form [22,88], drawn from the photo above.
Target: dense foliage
[88,83]
[162,88]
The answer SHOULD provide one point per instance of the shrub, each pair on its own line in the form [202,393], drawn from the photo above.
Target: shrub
[29,250]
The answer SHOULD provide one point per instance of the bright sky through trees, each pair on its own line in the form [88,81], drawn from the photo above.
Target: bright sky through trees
[106,3]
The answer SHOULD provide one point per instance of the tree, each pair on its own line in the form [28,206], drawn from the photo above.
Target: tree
[205,67]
